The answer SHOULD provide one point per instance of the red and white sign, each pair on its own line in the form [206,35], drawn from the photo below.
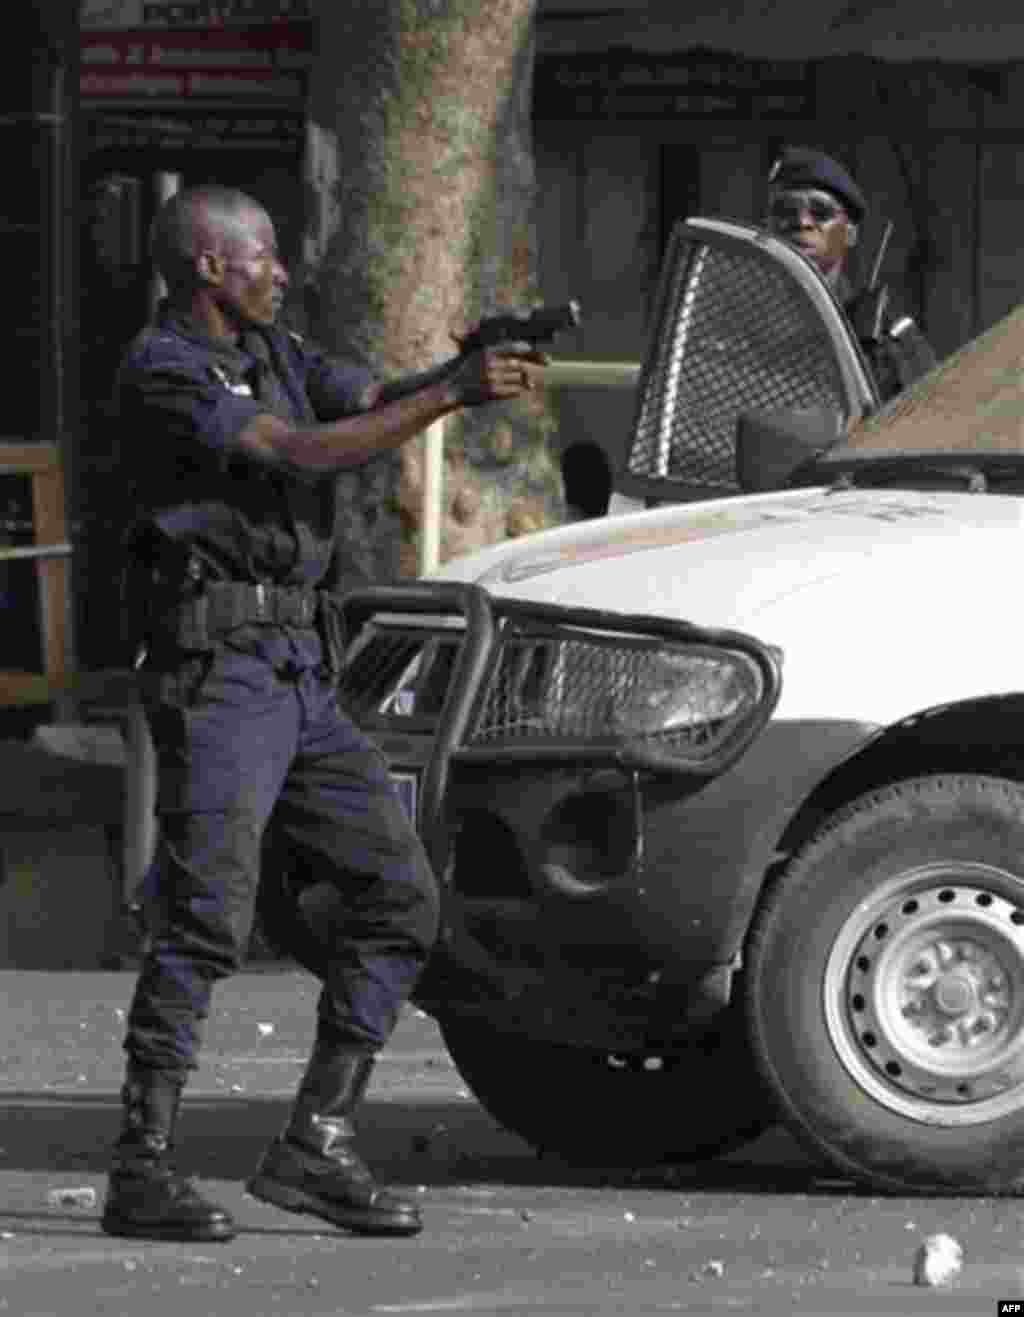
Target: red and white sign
[190,13]
[260,65]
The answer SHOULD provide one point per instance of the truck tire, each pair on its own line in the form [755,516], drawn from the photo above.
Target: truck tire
[884,987]
[595,1109]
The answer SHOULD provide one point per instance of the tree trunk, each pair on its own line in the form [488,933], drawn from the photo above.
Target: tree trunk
[420,219]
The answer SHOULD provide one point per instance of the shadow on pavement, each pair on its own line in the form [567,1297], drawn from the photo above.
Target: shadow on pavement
[432,1143]
[75,1225]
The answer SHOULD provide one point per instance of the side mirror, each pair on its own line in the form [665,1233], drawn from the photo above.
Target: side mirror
[772,446]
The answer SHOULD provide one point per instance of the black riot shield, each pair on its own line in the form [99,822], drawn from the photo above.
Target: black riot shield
[744,326]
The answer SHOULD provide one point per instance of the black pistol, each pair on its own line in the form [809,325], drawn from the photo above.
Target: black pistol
[534,327]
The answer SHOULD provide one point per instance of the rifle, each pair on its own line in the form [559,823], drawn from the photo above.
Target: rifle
[867,310]
[898,354]
[536,327]
[883,247]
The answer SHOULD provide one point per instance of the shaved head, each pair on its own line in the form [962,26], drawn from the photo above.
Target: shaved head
[217,250]
[207,218]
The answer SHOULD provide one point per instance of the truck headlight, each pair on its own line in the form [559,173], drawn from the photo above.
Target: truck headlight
[680,691]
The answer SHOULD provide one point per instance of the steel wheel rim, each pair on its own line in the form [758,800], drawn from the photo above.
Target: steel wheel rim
[924,994]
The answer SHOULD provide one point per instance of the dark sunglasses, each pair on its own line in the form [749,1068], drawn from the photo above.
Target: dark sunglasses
[787,208]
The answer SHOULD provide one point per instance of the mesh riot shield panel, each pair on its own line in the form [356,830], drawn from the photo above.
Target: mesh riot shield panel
[743,324]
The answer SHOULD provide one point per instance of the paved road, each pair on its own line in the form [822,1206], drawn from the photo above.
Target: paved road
[763,1231]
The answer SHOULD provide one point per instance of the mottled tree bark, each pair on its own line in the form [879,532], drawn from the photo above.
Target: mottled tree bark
[420,219]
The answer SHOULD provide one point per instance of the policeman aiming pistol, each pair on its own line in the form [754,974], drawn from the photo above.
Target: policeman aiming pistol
[234,432]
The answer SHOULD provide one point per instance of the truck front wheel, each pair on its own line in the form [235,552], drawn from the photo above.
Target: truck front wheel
[884,987]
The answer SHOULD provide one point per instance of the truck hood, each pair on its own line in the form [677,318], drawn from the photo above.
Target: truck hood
[724,563]
[842,581]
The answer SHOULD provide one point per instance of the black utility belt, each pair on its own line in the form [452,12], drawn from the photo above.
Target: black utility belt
[221,606]
[230,604]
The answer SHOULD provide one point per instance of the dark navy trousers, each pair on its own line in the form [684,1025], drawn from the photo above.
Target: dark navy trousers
[260,769]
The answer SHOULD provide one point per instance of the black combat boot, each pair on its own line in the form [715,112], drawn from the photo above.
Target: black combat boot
[314,1168]
[146,1199]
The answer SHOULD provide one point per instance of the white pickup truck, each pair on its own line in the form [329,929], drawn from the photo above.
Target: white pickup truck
[727,795]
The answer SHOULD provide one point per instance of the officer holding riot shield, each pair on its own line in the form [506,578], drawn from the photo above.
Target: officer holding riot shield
[816,205]
[233,433]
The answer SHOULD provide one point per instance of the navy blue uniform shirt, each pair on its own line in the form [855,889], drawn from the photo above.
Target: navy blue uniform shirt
[184,398]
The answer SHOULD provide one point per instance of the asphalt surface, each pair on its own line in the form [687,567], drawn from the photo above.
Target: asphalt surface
[763,1231]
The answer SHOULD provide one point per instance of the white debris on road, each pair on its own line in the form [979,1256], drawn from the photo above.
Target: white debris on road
[265,1030]
[938,1261]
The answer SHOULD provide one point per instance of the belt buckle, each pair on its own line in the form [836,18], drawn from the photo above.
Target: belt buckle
[261,602]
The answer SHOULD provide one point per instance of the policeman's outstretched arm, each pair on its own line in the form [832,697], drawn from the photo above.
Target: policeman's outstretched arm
[479,377]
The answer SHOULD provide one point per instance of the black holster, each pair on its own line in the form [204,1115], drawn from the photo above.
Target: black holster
[160,588]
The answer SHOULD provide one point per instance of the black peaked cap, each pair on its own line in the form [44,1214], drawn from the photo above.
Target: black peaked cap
[802,167]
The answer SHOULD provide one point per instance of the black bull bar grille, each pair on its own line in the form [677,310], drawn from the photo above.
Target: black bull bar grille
[742,324]
[477,711]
